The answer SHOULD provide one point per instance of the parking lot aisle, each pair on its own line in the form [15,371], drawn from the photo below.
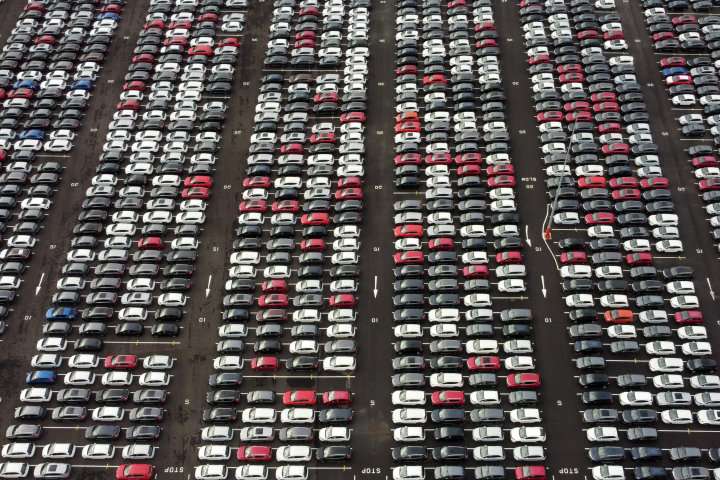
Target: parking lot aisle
[559,403]
[374,340]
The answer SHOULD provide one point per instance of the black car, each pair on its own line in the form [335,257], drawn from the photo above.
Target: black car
[296,434]
[606,454]
[143,433]
[411,453]
[334,454]
[601,415]
[102,432]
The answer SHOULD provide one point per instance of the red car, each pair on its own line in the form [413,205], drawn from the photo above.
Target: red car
[154,24]
[482,27]
[441,244]
[438,159]
[684,20]
[198,181]
[448,397]
[663,36]
[256,182]
[324,137]
[196,192]
[678,80]
[614,35]
[135,85]
[591,182]
[34,6]
[483,363]
[709,184]
[326,97]
[337,397]
[45,39]
[534,472]
[134,471]
[208,17]
[229,42]
[468,158]
[265,363]
[407,127]
[475,271]
[523,380]
[603,97]
[291,148]
[352,117]
[407,117]
[573,106]
[21,93]
[274,286]
[407,231]
[315,218]
[689,317]
[606,107]
[488,42]
[552,116]
[626,194]
[406,69]
[569,68]
[121,362]
[143,58]
[456,3]
[501,181]
[571,77]
[408,257]
[573,257]
[112,8]
[181,24]
[610,128]
[599,218]
[255,453]
[2,93]
[308,11]
[623,182]
[3,153]
[343,300]
[508,257]
[313,245]
[580,116]
[639,259]
[656,182]
[200,50]
[305,43]
[178,41]
[614,148]
[673,62]
[698,162]
[300,397]
[350,182]
[408,159]
[466,170]
[437,78]
[619,316]
[503,169]
[587,34]
[538,59]
[273,300]
[286,206]
[305,34]
[151,243]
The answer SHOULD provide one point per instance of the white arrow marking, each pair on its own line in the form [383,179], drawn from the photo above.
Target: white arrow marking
[527,237]
[712,294]
[542,278]
[207,290]
[375,289]
[37,289]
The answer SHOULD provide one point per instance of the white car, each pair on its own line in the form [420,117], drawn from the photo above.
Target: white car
[98,451]
[18,450]
[525,415]
[228,363]
[339,364]
[608,472]
[51,344]
[660,348]
[485,397]
[685,302]
[214,452]
[446,380]
[35,395]
[211,472]
[108,413]
[566,218]
[512,285]
[614,301]
[409,416]
[408,397]
[294,453]
[580,300]
[80,377]
[84,361]
[680,288]
[519,362]
[693,332]
[58,450]
[676,417]
[622,331]
[158,362]
[603,434]
[636,399]
[334,434]
[527,434]
[576,271]
[297,415]
[666,365]
[217,433]
[482,347]
[259,415]
[609,272]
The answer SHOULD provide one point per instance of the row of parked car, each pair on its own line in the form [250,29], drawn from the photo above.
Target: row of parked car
[601,99]
[310,177]
[442,150]
[124,208]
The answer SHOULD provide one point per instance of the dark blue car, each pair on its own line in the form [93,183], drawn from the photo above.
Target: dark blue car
[32,84]
[61,313]
[32,135]
[82,85]
[41,377]
[669,72]
[110,16]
